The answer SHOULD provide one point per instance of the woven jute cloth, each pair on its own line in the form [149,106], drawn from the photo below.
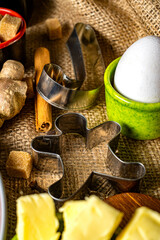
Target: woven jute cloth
[117,24]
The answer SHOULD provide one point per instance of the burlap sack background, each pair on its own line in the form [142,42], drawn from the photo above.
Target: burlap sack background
[117,24]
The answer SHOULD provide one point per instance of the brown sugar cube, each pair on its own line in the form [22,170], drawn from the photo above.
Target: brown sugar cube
[19,164]
[9,26]
[54,28]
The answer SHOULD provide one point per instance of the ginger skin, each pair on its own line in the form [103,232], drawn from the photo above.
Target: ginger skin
[12,90]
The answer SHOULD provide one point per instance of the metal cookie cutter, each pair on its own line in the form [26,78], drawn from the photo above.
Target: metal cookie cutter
[124,175]
[63,92]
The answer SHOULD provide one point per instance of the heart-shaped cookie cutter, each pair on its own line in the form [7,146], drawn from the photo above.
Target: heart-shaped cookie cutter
[125,176]
[63,92]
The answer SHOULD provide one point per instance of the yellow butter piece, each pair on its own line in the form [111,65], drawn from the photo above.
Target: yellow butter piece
[90,219]
[71,211]
[144,225]
[36,219]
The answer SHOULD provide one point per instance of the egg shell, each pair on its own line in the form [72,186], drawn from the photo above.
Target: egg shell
[137,75]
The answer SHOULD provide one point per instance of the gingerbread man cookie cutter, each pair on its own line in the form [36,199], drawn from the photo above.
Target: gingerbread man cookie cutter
[125,176]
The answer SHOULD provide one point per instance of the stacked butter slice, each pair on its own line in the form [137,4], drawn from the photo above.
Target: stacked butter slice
[144,225]
[36,218]
[89,219]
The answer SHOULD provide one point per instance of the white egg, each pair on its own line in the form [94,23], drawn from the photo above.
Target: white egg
[137,75]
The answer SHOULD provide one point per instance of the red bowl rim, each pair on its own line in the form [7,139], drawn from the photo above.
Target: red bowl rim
[22,30]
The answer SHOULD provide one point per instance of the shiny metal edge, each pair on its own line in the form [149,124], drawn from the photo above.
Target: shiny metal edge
[75,98]
[126,175]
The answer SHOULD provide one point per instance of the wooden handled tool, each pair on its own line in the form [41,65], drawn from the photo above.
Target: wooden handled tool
[43,110]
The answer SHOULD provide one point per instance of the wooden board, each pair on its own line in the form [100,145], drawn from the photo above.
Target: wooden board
[129,202]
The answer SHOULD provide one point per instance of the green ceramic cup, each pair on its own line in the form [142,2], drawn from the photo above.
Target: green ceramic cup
[138,120]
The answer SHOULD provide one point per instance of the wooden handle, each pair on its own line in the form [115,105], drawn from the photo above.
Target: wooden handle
[43,110]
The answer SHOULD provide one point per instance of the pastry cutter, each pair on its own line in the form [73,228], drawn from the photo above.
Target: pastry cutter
[80,93]
[125,176]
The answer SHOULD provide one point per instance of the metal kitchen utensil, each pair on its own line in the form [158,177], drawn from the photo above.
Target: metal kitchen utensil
[63,92]
[125,175]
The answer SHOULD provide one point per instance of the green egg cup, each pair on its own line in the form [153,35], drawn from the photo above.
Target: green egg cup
[138,120]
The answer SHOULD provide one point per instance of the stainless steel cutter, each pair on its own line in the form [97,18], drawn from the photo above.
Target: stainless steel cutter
[80,93]
[125,176]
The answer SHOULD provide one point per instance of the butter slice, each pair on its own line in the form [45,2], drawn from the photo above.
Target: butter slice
[89,219]
[36,218]
[144,225]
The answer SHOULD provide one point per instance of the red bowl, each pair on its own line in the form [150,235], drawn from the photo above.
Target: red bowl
[21,31]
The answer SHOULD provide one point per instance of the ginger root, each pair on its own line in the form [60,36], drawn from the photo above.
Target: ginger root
[12,70]
[12,90]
